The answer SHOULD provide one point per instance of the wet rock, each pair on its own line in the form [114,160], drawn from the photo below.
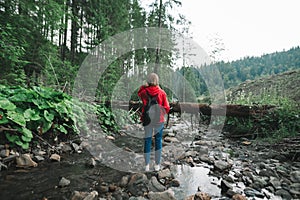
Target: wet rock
[124,181]
[238,197]
[92,196]
[155,185]
[4,153]
[2,166]
[248,174]
[198,196]
[137,198]
[76,147]
[55,157]
[171,139]
[25,160]
[109,137]
[267,172]
[205,158]
[120,195]
[190,161]
[85,195]
[79,195]
[275,183]
[91,163]
[221,165]
[38,158]
[191,153]
[253,193]
[259,182]
[138,184]
[283,194]
[171,134]
[10,158]
[65,148]
[112,187]
[64,182]
[230,193]
[103,188]
[165,173]
[295,188]
[174,183]
[225,186]
[165,195]
[295,176]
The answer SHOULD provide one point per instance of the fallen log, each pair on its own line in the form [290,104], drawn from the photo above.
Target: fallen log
[205,109]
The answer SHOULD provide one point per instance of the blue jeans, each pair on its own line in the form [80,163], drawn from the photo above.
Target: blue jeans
[158,131]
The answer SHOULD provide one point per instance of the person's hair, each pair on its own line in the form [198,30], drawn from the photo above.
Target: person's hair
[152,79]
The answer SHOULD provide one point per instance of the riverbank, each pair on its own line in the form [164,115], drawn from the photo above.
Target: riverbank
[196,161]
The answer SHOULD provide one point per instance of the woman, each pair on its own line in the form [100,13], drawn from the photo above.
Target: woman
[152,88]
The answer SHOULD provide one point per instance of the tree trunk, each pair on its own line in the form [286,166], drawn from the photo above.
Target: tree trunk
[205,109]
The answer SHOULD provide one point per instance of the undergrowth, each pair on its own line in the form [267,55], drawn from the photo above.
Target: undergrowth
[26,113]
[280,122]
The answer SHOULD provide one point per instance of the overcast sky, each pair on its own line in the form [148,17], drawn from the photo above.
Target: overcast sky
[246,27]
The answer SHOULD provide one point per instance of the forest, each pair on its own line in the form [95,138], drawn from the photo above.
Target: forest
[67,66]
[44,43]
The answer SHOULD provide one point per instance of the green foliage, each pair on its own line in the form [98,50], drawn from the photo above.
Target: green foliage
[282,121]
[37,110]
[107,119]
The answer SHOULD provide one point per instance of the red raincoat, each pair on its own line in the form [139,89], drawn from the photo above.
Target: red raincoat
[161,99]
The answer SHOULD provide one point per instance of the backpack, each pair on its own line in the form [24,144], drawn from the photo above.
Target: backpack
[151,114]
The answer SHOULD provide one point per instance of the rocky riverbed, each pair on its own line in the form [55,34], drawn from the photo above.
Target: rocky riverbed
[197,163]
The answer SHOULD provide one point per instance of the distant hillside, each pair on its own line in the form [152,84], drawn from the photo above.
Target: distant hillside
[251,68]
[280,85]
[248,68]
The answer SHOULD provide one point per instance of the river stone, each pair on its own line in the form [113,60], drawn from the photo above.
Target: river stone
[165,173]
[275,183]
[2,166]
[138,184]
[295,176]
[174,183]
[25,160]
[259,182]
[165,195]
[76,147]
[55,157]
[92,196]
[198,196]
[156,186]
[39,158]
[79,195]
[225,186]
[252,192]
[238,197]
[221,165]
[295,188]
[171,139]
[64,182]
[4,153]
[91,162]
[119,194]
[191,153]
[267,173]
[284,194]
[205,158]
[124,181]
[137,198]
[65,147]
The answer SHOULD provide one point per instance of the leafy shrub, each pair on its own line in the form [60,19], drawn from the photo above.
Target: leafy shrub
[24,112]
[277,123]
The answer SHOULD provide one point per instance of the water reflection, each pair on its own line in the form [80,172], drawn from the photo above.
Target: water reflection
[192,178]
